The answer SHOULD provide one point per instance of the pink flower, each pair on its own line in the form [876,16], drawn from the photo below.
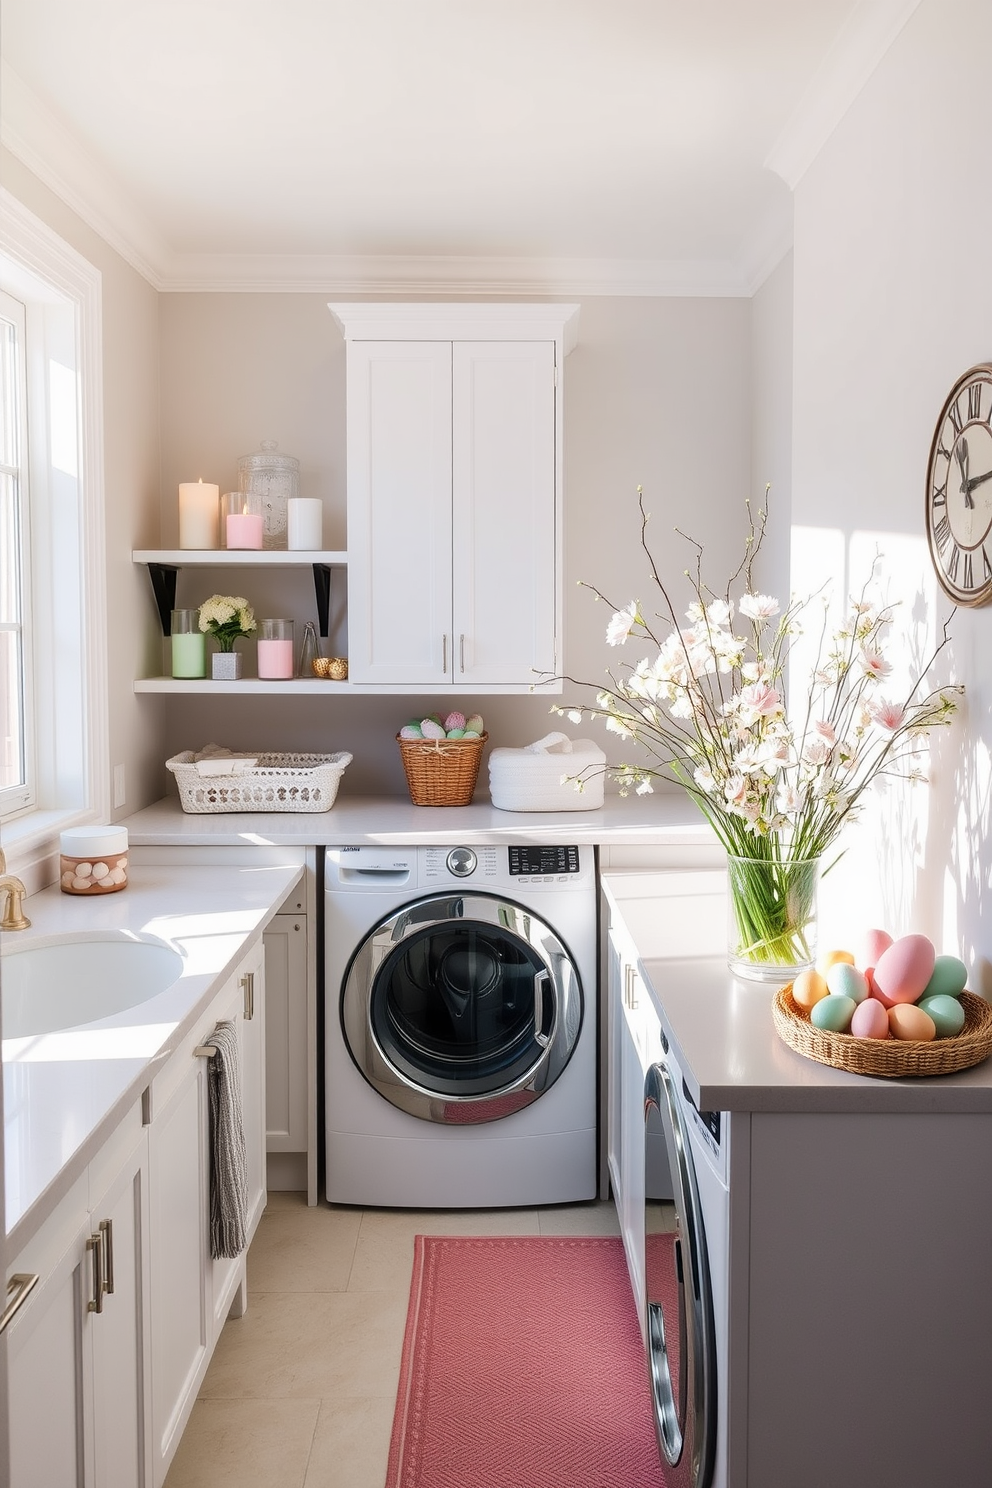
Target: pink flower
[622,624]
[826,731]
[889,717]
[874,663]
[759,701]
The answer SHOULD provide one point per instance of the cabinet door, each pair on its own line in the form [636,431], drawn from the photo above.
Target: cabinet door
[48,1382]
[179,1256]
[286,1033]
[399,512]
[504,582]
[118,1333]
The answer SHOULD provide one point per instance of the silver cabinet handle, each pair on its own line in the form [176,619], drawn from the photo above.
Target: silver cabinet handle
[444,654]
[107,1231]
[95,1247]
[461,651]
[19,1288]
[248,987]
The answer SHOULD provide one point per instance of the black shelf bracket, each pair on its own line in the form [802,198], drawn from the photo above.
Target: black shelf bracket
[322,589]
[163,577]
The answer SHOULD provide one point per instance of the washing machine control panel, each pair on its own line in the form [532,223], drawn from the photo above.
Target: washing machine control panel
[461,861]
[543,862]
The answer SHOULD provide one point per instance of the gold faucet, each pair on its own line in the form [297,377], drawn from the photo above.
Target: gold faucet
[14,917]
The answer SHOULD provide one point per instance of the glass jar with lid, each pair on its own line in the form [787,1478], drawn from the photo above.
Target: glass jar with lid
[272,479]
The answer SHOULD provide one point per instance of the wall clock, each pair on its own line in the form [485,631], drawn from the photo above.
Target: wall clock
[959,490]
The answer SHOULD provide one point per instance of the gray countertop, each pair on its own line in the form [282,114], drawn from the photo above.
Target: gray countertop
[721,1027]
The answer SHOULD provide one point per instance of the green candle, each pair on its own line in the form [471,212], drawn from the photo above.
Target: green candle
[189,654]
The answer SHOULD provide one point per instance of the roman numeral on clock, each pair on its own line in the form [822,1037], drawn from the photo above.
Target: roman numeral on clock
[939,497]
[952,565]
[986,565]
[957,422]
[968,581]
[975,400]
[942,532]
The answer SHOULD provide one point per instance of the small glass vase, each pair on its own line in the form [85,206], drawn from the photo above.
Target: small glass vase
[225,666]
[771,917]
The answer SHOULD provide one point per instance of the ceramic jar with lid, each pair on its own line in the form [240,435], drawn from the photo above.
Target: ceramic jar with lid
[93,860]
[273,479]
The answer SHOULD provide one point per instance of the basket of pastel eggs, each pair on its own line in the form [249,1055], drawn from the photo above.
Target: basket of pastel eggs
[441,757]
[905,1011]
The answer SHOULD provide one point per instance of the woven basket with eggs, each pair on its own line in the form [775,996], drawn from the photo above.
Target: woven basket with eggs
[909,1015]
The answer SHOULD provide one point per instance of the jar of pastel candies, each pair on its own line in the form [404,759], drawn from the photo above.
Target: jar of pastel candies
[94,860]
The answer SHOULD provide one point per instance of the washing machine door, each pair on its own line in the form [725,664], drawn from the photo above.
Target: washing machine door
[681,1348]
[461,1008]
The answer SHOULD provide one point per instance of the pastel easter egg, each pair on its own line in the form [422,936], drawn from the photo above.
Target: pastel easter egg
[808,988]
[430,729]
[845,980]
[910,1023]
[831,958]
[946,1012]
[949,979]
[833,1014]
[870,1019]
[456,733]
[903,971]
[471,734]
[454,721]
[872,946]
[411,731]
[475,723]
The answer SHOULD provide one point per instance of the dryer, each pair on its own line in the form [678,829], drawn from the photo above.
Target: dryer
[460,1027]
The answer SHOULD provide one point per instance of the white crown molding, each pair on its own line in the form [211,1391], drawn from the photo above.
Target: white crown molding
[764,248]
[39,139]
[451,275]
[858,48]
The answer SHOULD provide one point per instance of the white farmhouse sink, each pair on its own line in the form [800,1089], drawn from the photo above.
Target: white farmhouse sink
[59,981]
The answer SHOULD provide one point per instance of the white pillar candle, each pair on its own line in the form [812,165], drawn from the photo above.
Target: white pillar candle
[199,515]
[305,523]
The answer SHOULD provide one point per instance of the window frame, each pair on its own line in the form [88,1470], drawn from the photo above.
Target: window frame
[62,294]
[18,798]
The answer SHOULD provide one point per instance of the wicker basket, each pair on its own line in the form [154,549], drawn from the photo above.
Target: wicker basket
[278,782]
[889,1058]
[441,772]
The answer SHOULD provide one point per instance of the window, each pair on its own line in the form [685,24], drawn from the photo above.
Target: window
[53,685]
[16,733]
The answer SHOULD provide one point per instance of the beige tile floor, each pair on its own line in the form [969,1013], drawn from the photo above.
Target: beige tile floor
[300,1391]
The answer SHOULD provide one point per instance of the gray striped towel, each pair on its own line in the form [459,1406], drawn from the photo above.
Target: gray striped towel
[228,1164]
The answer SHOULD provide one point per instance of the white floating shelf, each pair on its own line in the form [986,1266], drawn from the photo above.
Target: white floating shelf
[239,557]
[311,686]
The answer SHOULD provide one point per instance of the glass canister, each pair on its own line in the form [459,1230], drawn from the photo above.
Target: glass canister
[93,860]
[275,649]
[274,479]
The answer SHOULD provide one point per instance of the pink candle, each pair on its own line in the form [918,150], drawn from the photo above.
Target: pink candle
[244,530]
[275,658]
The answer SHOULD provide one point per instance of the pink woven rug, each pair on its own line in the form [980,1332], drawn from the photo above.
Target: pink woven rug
[522,1367]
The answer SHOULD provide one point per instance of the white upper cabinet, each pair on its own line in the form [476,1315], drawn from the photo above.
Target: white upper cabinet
[454,493]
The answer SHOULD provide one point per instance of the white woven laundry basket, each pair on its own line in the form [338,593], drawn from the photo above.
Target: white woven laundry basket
[542,777]
[278,782]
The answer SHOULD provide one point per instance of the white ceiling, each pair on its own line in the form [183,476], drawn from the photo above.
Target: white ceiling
[628,145]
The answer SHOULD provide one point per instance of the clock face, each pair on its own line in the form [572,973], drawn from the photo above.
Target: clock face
[959,490]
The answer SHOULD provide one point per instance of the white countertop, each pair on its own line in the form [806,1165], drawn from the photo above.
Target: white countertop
[64,1092]
[661,819]
[721,1027]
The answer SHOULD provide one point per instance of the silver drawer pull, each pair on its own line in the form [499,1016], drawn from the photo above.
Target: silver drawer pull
[19,1288]
[95,1247]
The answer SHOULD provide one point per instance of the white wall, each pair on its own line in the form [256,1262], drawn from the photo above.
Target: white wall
[131,467]
[893,300]
[657,393]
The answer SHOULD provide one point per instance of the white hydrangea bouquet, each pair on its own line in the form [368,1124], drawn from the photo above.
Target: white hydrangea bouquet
[226,617]
[707,707]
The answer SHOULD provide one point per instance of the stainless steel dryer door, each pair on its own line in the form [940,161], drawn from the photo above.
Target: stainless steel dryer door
[680,1326]
[461,1008]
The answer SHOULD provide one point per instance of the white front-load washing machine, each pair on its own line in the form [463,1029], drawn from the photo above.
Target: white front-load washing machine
[460,1025]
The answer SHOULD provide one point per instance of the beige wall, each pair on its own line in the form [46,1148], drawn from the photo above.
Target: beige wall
[657,393]
[131,466]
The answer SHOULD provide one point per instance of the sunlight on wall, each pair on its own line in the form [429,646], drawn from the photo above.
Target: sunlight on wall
[892,870]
